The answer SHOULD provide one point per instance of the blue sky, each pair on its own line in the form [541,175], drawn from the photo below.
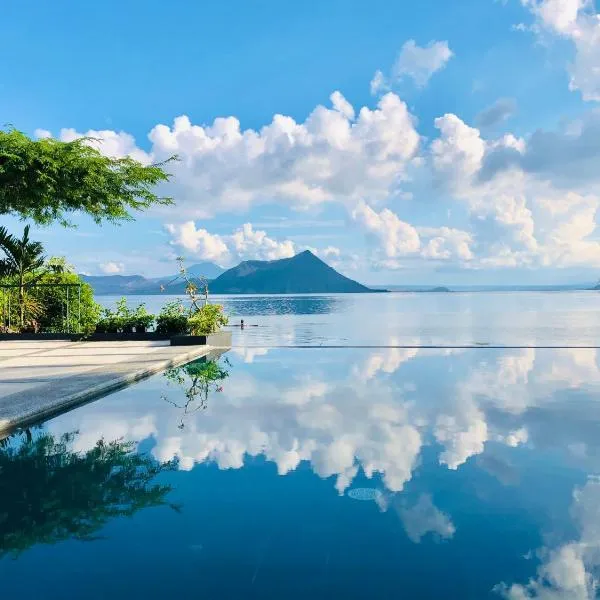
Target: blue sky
[474,161]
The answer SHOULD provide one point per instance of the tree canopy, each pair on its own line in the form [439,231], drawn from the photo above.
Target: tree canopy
[45,180]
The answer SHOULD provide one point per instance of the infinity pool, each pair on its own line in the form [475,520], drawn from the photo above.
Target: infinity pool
[316,473]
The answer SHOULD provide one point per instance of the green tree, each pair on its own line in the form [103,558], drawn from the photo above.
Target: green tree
[47,179]
[22,258]
[49,493]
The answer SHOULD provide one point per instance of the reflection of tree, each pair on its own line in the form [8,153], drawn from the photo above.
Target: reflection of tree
[198,378]
[49,493]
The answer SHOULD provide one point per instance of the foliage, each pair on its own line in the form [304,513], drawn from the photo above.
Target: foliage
[22,258]
[124,320]
[50,306]
[50,493]
[172,319]
[65,308]
[207,319]
[47,179]
[194,284]
[197,378]
[201,319]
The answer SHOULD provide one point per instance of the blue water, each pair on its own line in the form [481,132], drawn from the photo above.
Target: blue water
[317,473]
[461,318]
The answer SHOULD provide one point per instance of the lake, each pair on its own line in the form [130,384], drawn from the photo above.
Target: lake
[460,318]
[274,471]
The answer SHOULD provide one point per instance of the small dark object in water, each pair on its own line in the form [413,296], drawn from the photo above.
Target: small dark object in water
[242,323]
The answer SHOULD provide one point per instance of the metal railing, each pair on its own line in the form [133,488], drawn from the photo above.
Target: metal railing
[7,304]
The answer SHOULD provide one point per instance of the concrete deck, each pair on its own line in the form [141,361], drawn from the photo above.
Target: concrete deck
[41,378]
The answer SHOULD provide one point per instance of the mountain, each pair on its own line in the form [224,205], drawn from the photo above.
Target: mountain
[116,284]
[123,285]
[301,274]
[206,269]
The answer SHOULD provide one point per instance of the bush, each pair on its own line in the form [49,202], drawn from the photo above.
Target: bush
[172,319]
[208,319]
[125,320]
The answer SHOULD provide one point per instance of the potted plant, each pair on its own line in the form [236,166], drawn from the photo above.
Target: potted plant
[172,319]
[109,323]
[141,319]
[207,319]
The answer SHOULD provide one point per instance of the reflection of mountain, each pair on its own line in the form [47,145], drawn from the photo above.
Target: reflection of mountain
[50,493]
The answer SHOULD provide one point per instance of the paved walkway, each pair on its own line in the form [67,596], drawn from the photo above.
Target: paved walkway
[40,378]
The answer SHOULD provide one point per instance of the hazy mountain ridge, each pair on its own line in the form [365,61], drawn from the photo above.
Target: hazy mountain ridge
[301,274]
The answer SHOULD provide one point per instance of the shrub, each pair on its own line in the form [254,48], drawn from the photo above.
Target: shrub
[208,319]
[125,320]
[172,319]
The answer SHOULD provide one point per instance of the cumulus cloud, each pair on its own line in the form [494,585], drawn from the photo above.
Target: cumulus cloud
[199,242]
[521,214]
[112,268]
[415,62]
[395,239]
[578,22]
[530,202]
[245,243]
[336,155]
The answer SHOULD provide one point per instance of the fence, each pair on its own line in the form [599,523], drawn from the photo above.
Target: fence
[70,319]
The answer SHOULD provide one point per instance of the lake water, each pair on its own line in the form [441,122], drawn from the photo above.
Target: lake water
[494,318]
[284,473]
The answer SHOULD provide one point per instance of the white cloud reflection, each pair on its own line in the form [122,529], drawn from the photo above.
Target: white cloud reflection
[368,412]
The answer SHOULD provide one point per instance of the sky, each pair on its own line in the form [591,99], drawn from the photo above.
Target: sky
[402,142]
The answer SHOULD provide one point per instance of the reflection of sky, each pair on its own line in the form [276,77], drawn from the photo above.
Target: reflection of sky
[525,318]
[454,442]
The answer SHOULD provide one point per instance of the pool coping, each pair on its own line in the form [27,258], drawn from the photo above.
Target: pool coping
[25,408]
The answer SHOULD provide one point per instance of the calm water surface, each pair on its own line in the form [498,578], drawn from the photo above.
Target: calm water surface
[503,318]
[318,473]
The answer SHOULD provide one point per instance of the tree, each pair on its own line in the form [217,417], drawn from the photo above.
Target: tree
[45,180]
[50,493]
[22,258]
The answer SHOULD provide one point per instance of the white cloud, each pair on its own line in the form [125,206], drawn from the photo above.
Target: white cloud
[245,243]
[199,242]
[397,238]
[420,63]
[528,202]
[577,21]
[112,268]
[332,156]
[249,243]
[42,134]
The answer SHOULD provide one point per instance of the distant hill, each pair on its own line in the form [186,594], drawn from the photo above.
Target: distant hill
[123,285]
[206,269]
[301,274]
